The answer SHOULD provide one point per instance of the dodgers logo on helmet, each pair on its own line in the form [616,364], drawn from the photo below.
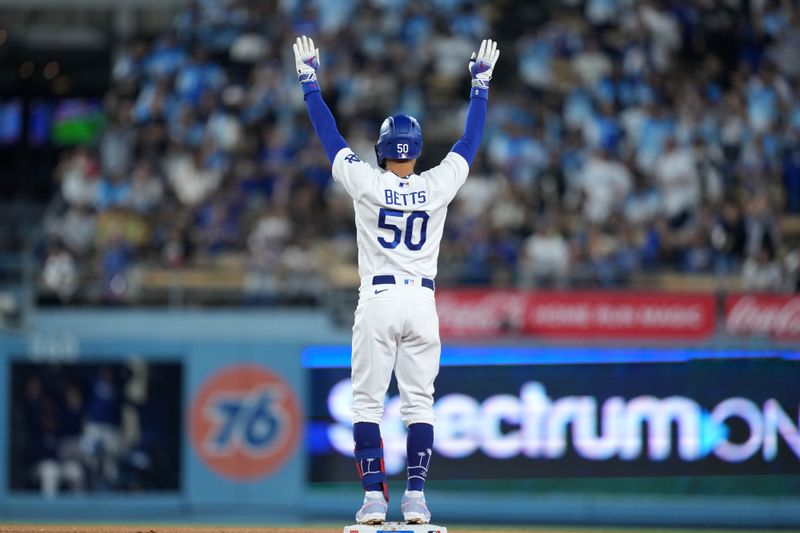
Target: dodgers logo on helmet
[400,138]
[245,422]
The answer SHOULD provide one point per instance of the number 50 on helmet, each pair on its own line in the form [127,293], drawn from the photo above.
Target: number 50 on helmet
[400,138]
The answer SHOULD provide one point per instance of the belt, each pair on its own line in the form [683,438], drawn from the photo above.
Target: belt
[389,280]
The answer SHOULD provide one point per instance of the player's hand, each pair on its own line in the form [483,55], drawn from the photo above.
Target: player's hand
[306,59]
[482,64]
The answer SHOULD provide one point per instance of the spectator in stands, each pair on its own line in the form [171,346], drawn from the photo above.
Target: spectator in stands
[591,64]
[79,174]
[606,184]
[77,230]
[477,257]
[266,244]
[599,249]
[449,49]
[117,259]
[710,160]
[643,203]
[791,168]
[114,190]
[676,174]
[791,268]
[187,130]
[153,102]
[698,256]
[177,246]
[217,227]
[191,179]
[762,272]
[301,269]
[118,141]
[147,191]
[517,153]
[197,76]
[546,259]
[224,129]
[661,24]
[535,57]
[761,226]
[728,236]
[165,57]
[631,127]
[59,273]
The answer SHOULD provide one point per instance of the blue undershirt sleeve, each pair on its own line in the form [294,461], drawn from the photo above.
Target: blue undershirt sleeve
[324,123]
[467,145]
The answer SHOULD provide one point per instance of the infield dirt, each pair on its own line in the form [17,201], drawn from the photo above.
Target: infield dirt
[330,528]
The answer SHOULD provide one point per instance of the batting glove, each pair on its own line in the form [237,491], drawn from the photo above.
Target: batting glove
[482,64]
[306,59]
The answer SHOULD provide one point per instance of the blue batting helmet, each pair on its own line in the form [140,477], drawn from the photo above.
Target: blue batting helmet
[400,138]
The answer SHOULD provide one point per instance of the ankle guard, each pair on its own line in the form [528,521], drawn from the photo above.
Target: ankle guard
[369,463]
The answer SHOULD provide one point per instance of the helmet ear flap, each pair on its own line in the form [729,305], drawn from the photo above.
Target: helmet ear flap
[381,162]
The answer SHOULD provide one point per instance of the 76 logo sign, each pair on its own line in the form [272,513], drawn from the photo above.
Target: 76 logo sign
[252,422]
[245,422]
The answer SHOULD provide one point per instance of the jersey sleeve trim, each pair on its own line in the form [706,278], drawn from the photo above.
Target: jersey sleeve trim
[336,157]
[452,152]
[353,173]
[461,164]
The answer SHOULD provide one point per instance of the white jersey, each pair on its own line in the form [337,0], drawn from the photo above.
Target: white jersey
[399,220]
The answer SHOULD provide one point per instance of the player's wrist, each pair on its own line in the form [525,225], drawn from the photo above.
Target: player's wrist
[308,83]
[478,91]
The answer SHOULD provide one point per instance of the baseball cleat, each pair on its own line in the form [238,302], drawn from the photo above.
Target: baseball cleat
[415,510]
[373,510]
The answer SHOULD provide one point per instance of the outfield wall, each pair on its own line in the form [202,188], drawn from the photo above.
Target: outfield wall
[700,433]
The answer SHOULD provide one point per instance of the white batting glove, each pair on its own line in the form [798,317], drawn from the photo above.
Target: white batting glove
[306,59]
[482,64]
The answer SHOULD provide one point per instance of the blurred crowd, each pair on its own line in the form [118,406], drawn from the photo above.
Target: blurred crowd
[81,428]
[624,137]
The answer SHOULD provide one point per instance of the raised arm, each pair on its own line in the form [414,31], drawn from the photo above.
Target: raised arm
[306,59]
[480,69]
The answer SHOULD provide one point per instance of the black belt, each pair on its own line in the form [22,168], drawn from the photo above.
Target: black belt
[389,280]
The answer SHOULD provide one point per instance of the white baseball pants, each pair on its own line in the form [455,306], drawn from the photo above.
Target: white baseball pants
[396,329]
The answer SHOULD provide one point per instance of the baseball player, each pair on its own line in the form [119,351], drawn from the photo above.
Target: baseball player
[399,221]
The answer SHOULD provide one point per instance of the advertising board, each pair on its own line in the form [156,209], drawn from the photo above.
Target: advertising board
[551,314]
[771,315]
[614,412]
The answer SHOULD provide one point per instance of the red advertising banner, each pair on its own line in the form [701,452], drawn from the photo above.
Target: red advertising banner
[775,315]
[600,315]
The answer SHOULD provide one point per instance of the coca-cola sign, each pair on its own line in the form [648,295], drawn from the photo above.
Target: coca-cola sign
[481,313]
[763,314]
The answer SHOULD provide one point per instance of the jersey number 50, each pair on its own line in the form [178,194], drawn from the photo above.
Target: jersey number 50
[398,232]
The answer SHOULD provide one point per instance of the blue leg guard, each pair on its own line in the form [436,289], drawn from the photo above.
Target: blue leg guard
[369,457]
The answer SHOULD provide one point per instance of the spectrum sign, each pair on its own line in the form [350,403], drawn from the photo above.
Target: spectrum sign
[698,416]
